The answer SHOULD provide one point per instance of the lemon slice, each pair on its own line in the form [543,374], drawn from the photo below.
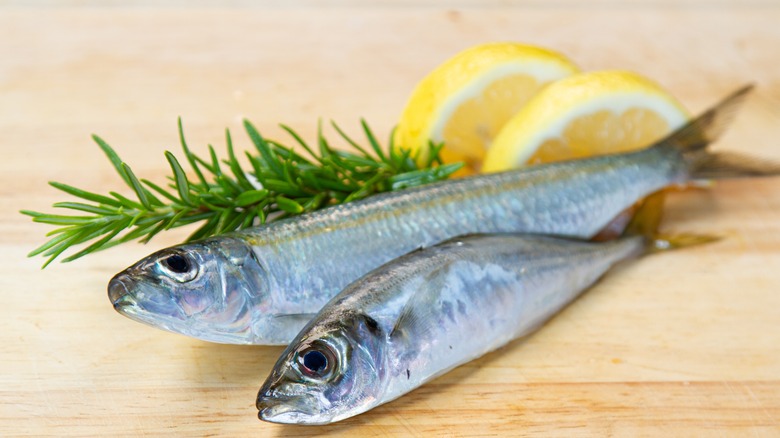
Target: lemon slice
[583,115]
[467,100]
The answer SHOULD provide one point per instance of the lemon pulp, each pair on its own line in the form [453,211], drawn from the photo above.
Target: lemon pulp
[468,99]
[584,115]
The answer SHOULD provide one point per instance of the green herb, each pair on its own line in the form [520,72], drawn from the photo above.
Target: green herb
[224,196]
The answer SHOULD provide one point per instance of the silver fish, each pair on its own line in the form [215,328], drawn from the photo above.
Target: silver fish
[261,285]
[425,313]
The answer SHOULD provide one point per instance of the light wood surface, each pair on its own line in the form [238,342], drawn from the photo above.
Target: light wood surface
[678,344]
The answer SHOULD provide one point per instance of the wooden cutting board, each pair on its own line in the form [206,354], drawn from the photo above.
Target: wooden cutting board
[678,344]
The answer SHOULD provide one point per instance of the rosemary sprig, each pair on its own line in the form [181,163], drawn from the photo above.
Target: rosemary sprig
[224,196]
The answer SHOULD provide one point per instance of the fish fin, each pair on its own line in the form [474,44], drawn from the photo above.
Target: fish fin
[616,226]
[461,237]
[662,242]
[697,134]
[450,241]
[732,165]
[642,218]
[428,244]
[648,216]
[693,139]
[416,308]
[647,220]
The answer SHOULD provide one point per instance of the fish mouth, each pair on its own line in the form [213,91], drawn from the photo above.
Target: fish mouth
[282,410]
[124,296]
[274,407]
[127,304]
[274,410]
[118,291]
[289,414]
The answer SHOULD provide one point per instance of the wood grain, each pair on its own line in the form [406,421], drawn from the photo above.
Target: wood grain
[679,344]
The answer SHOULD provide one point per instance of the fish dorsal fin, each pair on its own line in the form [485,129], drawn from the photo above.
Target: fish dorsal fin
[462,237]
[451,240]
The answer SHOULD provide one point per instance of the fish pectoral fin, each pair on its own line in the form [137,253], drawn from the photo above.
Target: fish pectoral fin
[278,328]
[418,311]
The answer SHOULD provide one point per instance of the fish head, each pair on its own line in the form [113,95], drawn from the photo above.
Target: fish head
[329,372]
[203,289]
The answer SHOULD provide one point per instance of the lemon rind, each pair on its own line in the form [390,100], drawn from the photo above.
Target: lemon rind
[539,70]
[439,91]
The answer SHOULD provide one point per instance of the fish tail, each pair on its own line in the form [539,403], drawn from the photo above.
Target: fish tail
[693,139]
[699,163]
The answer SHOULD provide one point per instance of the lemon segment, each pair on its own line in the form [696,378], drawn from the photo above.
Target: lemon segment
[584,115]
[467,100]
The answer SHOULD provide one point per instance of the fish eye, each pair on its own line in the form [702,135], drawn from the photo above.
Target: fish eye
[316,361]
[179,267]
[177,263]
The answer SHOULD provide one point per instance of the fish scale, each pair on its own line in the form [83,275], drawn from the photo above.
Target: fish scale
[434,310]
[527,281]
[277,276]
[333,244]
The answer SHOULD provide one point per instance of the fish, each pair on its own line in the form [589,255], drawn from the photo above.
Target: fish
[261,285]
[428,312]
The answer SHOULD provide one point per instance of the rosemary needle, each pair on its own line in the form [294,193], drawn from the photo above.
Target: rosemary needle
[224,196]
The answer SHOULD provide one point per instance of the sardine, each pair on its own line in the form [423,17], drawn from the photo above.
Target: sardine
[261,285]
[425,313]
